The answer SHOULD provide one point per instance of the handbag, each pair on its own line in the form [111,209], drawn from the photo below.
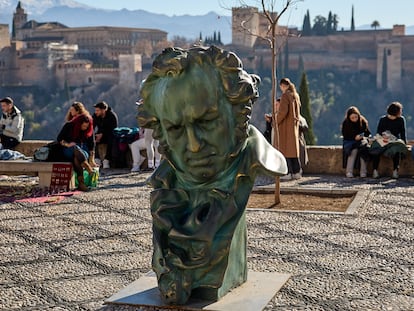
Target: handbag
[52,152]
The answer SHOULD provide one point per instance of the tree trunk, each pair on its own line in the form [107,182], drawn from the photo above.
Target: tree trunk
[274,112]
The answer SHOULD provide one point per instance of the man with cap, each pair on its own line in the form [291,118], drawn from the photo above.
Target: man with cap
[104,122]
[11,124]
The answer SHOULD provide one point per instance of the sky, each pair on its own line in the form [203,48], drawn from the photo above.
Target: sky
[386,12]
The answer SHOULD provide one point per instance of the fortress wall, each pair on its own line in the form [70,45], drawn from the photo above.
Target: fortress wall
[408,66]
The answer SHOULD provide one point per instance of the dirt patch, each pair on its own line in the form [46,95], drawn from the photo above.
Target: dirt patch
[301,201]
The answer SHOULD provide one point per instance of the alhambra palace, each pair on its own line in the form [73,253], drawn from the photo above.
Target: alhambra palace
[51,53]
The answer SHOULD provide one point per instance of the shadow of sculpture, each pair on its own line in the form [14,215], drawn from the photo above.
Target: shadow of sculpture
[199,102]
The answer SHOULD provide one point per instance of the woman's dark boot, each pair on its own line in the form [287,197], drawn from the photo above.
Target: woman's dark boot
[81,184]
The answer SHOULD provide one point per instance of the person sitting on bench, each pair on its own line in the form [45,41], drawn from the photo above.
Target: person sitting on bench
[11,124]
[78,143]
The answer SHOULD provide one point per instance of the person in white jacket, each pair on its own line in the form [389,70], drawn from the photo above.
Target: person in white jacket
[11,124]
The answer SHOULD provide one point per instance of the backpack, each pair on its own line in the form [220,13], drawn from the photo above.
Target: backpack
[122,136]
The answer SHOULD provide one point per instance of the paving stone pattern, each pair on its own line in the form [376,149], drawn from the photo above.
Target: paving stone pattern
[75,254]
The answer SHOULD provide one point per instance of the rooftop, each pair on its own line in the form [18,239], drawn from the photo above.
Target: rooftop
[76,253]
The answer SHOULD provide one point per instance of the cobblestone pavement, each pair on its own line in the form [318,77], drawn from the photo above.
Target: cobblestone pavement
[74,254]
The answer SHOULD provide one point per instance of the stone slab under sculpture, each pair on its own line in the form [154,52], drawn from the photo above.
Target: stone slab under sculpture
[198,102]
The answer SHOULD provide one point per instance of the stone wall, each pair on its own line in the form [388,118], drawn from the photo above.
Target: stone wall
[322,159]
[328,160]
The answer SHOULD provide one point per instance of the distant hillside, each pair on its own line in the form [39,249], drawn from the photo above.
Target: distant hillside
[185,25]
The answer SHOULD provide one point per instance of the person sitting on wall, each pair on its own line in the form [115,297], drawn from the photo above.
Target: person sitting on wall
[11,124]
[104,122]
[78,143]
[391,138]
[354,129]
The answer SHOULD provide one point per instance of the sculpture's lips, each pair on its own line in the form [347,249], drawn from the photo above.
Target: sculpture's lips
[199,160]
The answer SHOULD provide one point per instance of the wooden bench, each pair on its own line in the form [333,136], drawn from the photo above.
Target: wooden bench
[32,168]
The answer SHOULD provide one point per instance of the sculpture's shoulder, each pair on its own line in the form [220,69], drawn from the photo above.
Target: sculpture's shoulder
[262,156]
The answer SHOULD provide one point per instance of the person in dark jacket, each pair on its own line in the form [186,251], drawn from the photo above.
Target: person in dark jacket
[354,129]
[78,143]
[104,122]
[393,122]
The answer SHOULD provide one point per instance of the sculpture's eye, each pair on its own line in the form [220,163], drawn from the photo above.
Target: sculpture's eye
[175,130]
[204,124]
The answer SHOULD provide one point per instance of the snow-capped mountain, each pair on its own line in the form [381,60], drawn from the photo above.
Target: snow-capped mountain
[36,6]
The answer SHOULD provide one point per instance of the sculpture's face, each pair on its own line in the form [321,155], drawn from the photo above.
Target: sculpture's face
[198,125]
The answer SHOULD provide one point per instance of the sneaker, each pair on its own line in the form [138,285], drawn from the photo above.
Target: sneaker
[375,174]
[363,175]
[135,169]
[286,177]
[297,176]
[394,174]
[349,175]
[105,164]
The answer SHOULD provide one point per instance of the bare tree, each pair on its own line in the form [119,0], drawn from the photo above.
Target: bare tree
[270,36]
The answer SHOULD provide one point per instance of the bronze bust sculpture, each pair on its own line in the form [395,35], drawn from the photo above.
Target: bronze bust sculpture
[198,102]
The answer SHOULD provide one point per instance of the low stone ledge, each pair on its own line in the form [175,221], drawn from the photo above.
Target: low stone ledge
[322,159]
[28,147]
[328,160]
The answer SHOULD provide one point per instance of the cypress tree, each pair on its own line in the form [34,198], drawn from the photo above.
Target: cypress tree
[384,76]
[307,28]
[219,38]
[334,23]
[301,68]
[306,109]
[352,20]
[214,38]
[329,28]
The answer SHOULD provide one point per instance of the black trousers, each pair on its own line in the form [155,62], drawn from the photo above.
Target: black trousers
[293,165]
[395,160]
[8,142]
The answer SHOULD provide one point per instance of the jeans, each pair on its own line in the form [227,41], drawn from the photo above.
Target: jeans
[69,152]
[351,162]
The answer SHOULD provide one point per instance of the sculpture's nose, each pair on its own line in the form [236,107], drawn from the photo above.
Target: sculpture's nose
[193,143]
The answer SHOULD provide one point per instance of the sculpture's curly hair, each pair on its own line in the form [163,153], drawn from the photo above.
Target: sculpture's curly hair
[240,88]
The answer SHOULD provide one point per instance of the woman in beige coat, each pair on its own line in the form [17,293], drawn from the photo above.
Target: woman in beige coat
[288,125]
